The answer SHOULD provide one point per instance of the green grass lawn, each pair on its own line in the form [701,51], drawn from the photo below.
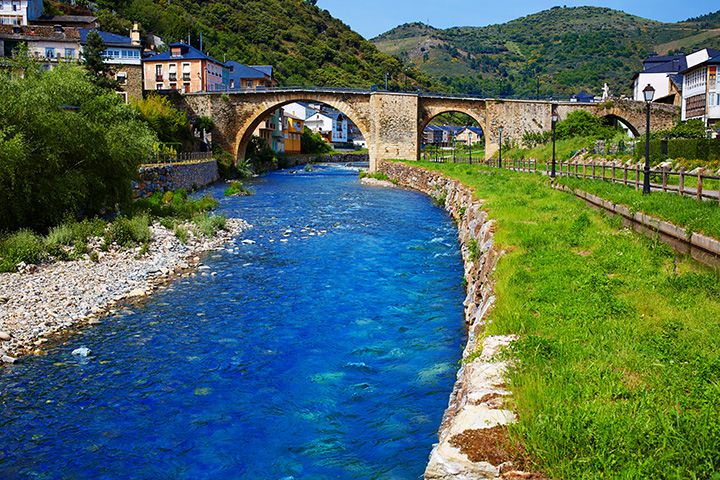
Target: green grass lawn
[618,363]
[686,212]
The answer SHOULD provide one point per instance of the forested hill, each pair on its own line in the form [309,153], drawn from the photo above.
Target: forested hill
[306,45]
[556,52]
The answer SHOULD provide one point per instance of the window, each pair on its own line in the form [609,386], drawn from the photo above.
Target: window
[158,73]
[159,86]
[173,86]
[49,52]
[186,87]
[712,78]
[69,53]
[248,83]
[186,71]
[121,78]
[123,95]
[172,71]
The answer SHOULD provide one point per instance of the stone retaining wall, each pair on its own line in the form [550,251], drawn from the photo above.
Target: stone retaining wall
[174,176]
[328,158]
[476,404]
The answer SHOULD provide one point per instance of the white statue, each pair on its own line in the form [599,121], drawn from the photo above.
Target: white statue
[606,92]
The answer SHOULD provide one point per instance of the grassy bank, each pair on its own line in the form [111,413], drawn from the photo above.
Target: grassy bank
[702,217]
[618,365]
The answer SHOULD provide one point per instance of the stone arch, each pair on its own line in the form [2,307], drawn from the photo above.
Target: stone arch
[247,126]
[615,119]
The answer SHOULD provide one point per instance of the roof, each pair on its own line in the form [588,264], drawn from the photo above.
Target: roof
[238,70]
[266,69]
[288,115]
[188,53]
[66,19]
[583,96]
[713,60]
[476,130]
[673,66]
[333,115]
[38,32]
[677,80]
[107,38]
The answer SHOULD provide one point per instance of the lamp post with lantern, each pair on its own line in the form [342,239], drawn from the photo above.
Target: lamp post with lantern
[500,154]
[649,94]
[554,124]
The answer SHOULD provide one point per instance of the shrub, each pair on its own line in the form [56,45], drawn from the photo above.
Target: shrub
[170,124]
[181,234]
[236,188]
[174,204]
[209,225]
[127,232]
[21,246]
[311,142]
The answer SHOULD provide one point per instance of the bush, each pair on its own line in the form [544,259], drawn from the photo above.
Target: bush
[128,232]
[21,246]
[236,188]
[174,204]
[71,231]
[209,225]
[583,124]
[311,142]
[170,124]
[56,163]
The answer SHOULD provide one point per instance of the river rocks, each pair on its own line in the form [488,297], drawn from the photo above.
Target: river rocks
[4,336]
[8,359]
[476,415]
[81,352]
[375,182]
[58,295]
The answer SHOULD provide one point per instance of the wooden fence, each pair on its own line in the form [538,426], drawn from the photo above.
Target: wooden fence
[699,183]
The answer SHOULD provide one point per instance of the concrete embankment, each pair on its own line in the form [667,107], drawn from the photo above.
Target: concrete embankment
[475,420]
[41,301]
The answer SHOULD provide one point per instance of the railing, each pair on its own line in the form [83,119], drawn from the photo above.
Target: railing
[454,156]
[182,157]
[700,183]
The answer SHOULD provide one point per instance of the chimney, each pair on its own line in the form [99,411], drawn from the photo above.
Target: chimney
[135,35]
[58,28]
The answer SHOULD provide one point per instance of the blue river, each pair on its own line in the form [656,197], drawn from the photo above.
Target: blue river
[327,349]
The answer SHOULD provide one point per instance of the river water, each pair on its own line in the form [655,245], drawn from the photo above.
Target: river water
[325,350]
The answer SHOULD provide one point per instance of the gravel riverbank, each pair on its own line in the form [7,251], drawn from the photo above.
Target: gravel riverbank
[40,301]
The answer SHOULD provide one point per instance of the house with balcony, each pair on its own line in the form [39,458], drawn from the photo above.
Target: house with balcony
[271,130]
[47,45]
[292,133]
[701,89]
[20,12]
[184,68]
[331,125]
[249,77]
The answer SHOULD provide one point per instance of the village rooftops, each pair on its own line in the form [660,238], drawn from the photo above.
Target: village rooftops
[109,39]
[238,70]
[85,21]
[38,32]
[182,51]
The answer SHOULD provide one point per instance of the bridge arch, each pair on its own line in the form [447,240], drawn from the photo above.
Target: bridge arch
[616,120]
[247,126]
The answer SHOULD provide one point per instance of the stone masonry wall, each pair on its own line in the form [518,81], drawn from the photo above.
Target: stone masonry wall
[174,176]
[475,408]
[324,158]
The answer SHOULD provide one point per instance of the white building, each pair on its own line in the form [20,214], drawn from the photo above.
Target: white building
[19,12]
[662,72]
[333,126]
[299,110]
[701,88]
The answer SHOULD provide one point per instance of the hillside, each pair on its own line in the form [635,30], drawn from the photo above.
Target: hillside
[306,45]
[556,52]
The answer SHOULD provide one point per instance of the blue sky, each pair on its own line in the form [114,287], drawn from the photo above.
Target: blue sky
[372,17]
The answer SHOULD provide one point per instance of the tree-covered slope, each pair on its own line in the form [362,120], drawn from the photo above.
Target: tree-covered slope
[556,52]
[306,44]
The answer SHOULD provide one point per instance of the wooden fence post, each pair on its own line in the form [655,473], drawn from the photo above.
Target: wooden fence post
[625,176]
[664,178]
[700,183]
[637,176]
[681,186]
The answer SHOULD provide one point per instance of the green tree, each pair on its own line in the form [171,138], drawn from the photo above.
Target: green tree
[94,61]
[56,162]
[311,142]
[170,124]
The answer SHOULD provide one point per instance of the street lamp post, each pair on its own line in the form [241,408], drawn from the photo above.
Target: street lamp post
[387,81]
[469,141]
[649,93]
[554,124]
[500,154]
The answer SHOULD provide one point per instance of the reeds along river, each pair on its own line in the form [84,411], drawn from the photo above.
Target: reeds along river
[326,349]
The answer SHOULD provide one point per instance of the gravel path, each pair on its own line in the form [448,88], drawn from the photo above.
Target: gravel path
[38,302]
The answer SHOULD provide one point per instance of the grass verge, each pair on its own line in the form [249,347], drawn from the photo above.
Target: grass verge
[689,213]
[618,364]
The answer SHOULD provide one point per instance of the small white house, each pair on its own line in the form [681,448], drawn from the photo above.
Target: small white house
[19,12]
[299,110]
[333,126]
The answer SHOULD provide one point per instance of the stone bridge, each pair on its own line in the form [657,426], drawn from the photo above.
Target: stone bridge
[393,123]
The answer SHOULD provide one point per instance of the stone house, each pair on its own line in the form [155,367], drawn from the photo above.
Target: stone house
[470,135]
